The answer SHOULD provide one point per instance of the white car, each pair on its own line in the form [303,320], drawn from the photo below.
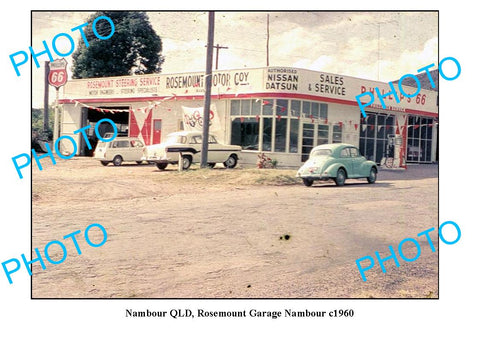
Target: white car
[189,144]
[121,149]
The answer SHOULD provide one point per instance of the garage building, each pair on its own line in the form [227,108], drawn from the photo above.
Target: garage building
[281,111]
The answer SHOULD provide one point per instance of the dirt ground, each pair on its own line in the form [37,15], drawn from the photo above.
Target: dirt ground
[223,233]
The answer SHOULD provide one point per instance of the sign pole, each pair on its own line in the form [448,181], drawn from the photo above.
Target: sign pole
[45,98]
[57,121]
[57,77]
[208,89]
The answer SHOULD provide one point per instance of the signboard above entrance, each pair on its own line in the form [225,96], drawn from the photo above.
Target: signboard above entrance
[258,82]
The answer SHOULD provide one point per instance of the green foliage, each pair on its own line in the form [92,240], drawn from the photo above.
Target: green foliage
[134,48]
[37,123]
[37,119]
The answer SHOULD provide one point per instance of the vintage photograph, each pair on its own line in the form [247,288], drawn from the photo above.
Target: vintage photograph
[234,155]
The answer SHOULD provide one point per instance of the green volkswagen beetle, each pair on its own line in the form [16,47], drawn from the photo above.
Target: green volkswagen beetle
[337,162]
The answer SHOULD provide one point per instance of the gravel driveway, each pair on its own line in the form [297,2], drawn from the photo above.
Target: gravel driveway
[214,234]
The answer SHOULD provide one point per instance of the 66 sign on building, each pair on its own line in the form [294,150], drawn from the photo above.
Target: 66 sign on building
[57,76]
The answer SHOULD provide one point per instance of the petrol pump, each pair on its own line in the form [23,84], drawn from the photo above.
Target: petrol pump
[394,155]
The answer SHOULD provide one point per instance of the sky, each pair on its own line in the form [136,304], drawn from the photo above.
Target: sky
[371,45]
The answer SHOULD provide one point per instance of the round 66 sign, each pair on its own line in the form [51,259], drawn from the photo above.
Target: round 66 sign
[58,73]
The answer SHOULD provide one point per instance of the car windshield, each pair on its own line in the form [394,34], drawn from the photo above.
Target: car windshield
[176,139]
[322,152]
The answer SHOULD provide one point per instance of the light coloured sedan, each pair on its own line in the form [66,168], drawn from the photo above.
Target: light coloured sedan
[189,144]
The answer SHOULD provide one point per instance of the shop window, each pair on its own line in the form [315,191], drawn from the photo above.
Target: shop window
[370,149]
[281,107]
[367,137]
[380,149]
[280,135]
[374,133]
[293,136]
[324,111]
[307,140]
[337,134]
[419,145]
[390,128]
[315,110]
[381,126]
[426,128]
[322,134]
[235,107]
[245,107]
[295,108]
[267,134]
[268,107]
[245,133]
[248,107]
[306,106]
[256,107]
[370,129]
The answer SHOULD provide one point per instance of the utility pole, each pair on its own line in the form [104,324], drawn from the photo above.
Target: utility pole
[217,46]
[208,89]
[268,38]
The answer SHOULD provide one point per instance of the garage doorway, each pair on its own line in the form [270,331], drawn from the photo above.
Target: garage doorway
[90,116]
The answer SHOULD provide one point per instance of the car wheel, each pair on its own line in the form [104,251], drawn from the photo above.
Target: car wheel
[340,179]
[186,162]
[231,162]
[104,163]
[373,176]
[161,166]
[117,160]
[139,162]
[211,165]
[307,181]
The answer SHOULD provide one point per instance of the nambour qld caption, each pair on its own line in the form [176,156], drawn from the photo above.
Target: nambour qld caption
[252,313]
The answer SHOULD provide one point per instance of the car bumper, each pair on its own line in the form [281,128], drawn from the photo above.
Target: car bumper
[314,177]
[158,159]
[99,158]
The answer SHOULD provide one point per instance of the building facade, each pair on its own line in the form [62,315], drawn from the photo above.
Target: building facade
[281,111]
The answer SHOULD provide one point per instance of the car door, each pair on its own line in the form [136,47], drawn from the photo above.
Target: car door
[196,143]
[357,161]
[346,160]
[216,154]
[137,150]
[126,150]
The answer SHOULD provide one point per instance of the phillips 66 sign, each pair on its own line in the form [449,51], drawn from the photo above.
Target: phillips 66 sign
[58,73]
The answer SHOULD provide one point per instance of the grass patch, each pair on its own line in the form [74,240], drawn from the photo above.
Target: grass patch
[236,176]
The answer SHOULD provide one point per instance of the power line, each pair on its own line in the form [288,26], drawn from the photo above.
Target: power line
[218,47]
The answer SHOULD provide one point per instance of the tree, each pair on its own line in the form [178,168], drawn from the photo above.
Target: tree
[134,48]
[39,136]
[37,120]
